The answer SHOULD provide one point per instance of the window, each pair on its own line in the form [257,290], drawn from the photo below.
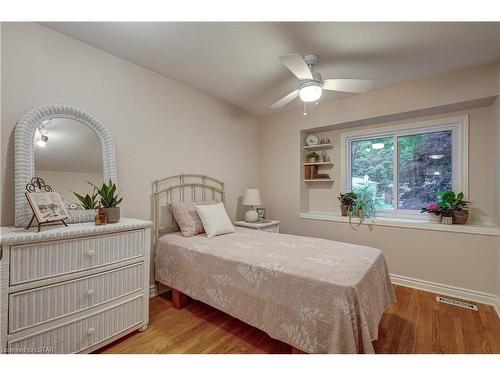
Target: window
[407,165]
[372,165]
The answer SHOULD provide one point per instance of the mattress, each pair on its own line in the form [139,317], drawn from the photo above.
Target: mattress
[317,295]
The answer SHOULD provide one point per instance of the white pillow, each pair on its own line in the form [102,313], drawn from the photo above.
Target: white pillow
[215,220]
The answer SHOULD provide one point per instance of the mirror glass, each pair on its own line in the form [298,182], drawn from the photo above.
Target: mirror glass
[67,155]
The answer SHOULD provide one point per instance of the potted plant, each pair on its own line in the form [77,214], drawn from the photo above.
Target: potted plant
[346,202]
[434,212]
[89,203]
[446,215]
[313,157]
[109,201]
[455,206]
[363,206]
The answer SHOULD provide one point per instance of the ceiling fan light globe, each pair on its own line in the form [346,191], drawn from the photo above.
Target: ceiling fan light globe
[310,93]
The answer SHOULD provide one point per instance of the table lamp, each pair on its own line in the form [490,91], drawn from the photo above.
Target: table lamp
[251,198]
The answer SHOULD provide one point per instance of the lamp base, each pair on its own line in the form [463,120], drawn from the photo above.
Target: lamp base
[251,216]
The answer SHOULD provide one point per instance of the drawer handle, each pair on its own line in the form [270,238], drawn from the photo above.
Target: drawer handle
[90,331]
[91,253]
[90,292]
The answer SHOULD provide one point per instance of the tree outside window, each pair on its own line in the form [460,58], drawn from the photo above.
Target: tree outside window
[424,167]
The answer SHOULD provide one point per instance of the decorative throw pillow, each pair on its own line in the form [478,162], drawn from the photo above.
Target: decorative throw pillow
[187,218]
[215,219]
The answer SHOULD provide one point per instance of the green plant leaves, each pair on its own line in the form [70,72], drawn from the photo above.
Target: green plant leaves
[108,194]
[363,206]
[449,201]
[89,202]
[313,155]
[108,197]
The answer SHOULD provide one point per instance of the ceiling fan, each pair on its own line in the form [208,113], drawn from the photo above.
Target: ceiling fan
[312,84]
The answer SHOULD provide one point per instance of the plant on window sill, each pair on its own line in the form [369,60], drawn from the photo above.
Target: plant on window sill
[363,207]
[454,206]
[346,202]
[434,212]
[451,208]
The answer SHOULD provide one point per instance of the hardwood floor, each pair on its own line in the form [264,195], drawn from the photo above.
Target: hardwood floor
[416,324]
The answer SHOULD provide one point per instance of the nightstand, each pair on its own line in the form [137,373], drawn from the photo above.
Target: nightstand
[272,226]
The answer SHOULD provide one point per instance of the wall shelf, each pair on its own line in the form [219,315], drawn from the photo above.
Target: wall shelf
[324,146]
[319,180]
[320,163]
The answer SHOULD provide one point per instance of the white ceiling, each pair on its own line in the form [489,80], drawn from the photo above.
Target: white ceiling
[71,147]
[238,62]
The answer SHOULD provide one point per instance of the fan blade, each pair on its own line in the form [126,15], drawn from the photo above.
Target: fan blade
[296,64]
[285,100]
[348,84]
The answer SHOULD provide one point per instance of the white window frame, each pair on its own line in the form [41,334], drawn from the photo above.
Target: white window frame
[459,127]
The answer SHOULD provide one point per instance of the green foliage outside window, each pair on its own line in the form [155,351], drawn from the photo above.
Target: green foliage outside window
[424,167]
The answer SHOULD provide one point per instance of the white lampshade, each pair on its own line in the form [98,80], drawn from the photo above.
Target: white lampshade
[252,197]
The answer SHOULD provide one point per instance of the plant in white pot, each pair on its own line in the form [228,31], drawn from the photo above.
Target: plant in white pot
[434,212]
[109,201]
[313,157]
[363,207]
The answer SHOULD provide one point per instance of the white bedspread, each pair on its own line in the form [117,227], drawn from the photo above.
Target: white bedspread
[317,295]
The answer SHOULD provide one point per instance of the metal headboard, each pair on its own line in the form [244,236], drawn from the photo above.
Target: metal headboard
[183,188]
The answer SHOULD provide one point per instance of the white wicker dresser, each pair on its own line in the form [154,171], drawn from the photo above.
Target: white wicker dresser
[73,289]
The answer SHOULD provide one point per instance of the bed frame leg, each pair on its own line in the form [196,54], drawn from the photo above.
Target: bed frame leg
[179,299]
[297,351]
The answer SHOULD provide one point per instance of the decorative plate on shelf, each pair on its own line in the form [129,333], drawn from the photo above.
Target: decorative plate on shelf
[312,140]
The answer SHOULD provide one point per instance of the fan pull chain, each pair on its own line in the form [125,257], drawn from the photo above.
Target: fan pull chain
[305,109]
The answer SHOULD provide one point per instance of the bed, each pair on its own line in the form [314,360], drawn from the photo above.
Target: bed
[317,295]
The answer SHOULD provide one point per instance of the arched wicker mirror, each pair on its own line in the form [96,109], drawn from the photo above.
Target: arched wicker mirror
[64,144]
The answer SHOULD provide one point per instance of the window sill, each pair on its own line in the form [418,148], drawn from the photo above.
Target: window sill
[485,230]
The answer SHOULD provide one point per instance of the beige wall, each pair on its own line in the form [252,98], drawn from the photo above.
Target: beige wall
[461,260]
[1,135]
[497,191]
[497,123]
[160,127]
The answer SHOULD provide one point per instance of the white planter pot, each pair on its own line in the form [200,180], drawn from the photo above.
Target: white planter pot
[448,220]
[433,218]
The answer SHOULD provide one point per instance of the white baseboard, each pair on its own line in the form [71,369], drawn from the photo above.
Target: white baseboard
[448,290]
[152,291]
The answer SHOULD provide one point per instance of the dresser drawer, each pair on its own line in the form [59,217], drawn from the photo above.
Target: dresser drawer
[47,259]
[82,333]
[36,306]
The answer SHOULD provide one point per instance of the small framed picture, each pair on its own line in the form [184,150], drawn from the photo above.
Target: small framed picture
[47,207]
[261,212]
